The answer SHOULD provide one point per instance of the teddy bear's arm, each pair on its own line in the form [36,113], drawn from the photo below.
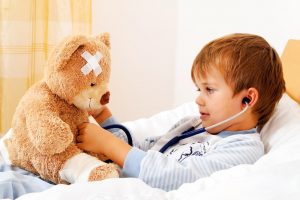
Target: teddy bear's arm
[48,133]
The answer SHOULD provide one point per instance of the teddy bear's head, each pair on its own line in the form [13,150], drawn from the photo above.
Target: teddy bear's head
[78,71]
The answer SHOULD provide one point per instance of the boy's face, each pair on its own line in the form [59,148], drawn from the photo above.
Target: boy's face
[216,102]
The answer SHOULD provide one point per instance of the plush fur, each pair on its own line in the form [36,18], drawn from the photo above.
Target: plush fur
[45,122]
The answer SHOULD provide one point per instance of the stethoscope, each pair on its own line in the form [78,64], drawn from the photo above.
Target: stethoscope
[123,128]
[186,134]
[114,126]
[191,132]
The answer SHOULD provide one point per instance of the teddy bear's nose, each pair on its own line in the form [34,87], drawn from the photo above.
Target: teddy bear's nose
[93,84]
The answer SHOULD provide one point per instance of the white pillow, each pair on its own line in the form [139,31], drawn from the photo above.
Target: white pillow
[283,128]
[161,122]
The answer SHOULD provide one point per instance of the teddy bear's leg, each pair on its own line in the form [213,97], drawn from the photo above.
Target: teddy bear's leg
[72,166]
[83,167]
[49,166]
[13,156]
[107,171]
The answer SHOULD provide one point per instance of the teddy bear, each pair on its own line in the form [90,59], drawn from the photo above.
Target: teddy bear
[42,139]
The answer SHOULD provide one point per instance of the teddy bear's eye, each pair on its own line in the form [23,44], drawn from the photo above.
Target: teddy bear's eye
[93,84]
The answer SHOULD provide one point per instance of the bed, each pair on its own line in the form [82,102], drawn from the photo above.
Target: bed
[276,175]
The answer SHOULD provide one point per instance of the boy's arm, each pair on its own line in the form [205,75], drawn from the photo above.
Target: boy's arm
[101,115]
[105,118]
[166,172]
[98,140]
[115,148]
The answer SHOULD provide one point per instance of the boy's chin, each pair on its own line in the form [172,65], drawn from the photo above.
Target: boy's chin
[215,130]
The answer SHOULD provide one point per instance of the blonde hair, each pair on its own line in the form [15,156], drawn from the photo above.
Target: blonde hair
[245,60]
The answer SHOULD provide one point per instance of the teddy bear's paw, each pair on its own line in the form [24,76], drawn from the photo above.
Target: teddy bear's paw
[104,172]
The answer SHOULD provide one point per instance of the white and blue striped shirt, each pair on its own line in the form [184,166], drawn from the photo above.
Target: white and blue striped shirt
[192,158]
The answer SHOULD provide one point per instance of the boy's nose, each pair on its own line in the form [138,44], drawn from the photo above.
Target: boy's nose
[199,100]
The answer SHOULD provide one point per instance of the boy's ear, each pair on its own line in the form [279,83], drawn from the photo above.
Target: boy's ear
[252,96]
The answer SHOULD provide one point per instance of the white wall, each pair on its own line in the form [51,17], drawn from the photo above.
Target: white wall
[201,21]
[154,43]
[143,39]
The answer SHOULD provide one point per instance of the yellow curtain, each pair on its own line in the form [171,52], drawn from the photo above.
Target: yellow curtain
[29,29]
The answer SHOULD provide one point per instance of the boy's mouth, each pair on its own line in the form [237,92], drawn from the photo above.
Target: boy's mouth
[203,115]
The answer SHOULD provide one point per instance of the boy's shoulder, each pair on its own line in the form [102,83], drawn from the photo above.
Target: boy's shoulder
[188,121]
[242,140]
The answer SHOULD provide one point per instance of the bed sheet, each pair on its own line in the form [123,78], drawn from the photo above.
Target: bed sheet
[15,182]
[241,182]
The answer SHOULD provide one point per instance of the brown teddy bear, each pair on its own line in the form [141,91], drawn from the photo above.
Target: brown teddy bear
[44,126]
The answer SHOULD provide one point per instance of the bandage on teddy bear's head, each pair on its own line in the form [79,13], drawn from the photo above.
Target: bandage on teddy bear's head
[78,70]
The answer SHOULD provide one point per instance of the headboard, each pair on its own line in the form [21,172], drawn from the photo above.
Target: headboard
[291,68]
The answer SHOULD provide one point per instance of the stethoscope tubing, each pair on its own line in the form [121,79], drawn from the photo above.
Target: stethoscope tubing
[192,132]
[126,131]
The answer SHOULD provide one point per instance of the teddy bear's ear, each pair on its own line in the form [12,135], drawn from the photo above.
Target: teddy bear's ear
[104,37]
[64,51]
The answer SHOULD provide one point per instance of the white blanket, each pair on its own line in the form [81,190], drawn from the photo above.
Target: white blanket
[274,176]
[282,181]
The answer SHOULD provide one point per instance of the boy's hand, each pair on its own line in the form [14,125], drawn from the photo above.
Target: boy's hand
[90,137]
[98,140]
[101,114]
[97,112]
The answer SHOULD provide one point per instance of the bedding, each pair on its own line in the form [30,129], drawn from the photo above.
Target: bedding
[276,175]
[15,182]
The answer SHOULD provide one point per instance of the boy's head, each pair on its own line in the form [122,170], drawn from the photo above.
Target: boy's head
[248,65]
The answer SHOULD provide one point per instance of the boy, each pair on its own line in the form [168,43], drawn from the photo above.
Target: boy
[231,73]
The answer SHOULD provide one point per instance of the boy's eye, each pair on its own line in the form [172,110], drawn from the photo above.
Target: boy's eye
[198,90]
[209,90]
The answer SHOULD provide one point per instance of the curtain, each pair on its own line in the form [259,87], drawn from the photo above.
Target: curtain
[29,30]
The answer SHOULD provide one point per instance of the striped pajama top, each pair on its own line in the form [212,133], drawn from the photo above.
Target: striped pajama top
[192,158]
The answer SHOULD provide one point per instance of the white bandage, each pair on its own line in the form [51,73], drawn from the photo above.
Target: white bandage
[79,167]
[92,63]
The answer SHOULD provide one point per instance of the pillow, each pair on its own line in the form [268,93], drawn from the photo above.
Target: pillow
[283,128]
[161,122]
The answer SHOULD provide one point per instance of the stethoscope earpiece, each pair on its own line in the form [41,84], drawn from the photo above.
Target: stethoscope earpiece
[246,100]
